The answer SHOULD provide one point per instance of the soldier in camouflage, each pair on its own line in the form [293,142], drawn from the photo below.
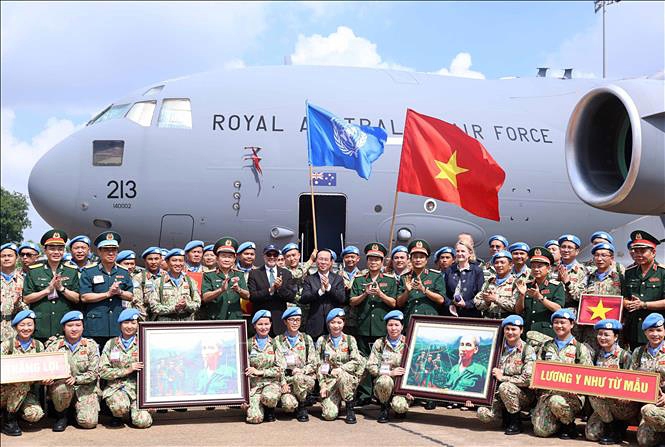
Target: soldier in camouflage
[496,299]
[514,375]
[265,371]
[81,388]
[299,353]
[384,364]
[349,272]
[20,398]
[341,367]
[572,274]
[118,366]
[11,290]
[556,410]
[651,357]
[145,281]
[520,253]
[298,270]
[610,417]
[497,243]
[175,296]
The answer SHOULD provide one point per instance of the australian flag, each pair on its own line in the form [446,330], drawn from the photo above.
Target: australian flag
[335,142]
[324,178]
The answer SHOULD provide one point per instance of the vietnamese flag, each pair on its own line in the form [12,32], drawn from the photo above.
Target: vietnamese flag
[594,308]
[440,161]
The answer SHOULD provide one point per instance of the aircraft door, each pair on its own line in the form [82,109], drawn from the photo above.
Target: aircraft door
[176,230]
[330,221]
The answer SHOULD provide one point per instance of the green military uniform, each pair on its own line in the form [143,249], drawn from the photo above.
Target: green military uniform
[347,359]
[21,397]
[555,407]
[574,288]
[505,302]
[120,392]
[652,427]
[300,355]
[647,287]
[372,309]
[536,315]
[144,283]
[11,293]
[49,311]
[383,359]
[167,293]
[264,390]
[227,305]
[84,365]
[417,303]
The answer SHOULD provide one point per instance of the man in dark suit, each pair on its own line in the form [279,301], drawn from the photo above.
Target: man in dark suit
[323,291]
[271,287]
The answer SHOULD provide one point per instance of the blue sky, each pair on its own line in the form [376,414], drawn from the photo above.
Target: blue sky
[63,61]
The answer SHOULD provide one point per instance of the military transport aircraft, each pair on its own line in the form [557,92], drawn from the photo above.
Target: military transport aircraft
[225,153]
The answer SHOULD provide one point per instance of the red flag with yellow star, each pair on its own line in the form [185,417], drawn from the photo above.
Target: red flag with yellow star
[594,308]
[440,161]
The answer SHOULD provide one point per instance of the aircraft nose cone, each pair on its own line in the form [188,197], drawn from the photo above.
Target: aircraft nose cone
[53,185]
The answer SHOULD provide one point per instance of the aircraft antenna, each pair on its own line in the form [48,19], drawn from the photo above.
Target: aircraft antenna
[600,5]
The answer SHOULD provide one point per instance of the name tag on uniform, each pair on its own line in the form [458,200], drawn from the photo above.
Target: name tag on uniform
[385,369]
[325,368]
[290,359]
[98,279]
[115,355]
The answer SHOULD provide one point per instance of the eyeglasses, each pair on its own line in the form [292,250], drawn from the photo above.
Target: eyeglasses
[271,255]
[28,255]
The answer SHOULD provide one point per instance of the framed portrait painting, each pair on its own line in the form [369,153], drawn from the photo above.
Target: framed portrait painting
[451,359]
[192,363]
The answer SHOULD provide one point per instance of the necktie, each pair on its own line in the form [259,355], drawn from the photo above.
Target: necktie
[271,277]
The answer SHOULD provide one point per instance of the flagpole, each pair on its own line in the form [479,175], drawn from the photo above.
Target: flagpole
[311,180]
[392,220]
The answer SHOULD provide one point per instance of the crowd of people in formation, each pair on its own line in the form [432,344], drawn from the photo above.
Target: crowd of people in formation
[334,332]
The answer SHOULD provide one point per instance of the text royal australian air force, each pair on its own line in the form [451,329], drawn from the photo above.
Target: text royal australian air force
[504,132]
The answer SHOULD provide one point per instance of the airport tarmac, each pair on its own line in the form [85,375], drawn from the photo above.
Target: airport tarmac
[197,427]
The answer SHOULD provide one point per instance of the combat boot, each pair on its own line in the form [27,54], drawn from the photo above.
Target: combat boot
[505,418]
[430,405]
[609,436]
[60,421]
[10,427]
[302,415]
[269,415]
[568,431]
[383,414]
[115,422]
[350,414]
[514,424]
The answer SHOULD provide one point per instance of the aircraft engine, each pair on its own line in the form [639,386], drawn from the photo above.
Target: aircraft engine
[615,147]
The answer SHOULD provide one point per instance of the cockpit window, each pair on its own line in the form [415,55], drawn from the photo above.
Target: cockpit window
[113,112]
[175,114]
[141,113]
[107,152]
[153,90]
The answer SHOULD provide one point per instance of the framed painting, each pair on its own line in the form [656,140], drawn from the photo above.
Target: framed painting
[451,359]
[192,363]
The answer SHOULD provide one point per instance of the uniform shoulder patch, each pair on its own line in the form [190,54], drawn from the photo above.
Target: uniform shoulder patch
[435,271]
[71,265]
[121,267]
[554,281]
[631,266]
[37,265]
[89,266]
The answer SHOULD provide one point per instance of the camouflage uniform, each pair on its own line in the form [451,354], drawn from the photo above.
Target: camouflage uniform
[652,427]
[526,273]
[610,285]
[84,364]
[303,357]
[555,407]
[167,293]
[606,411]
[298,273]
[11,293]
[120,390]
[575,286]
[351,320]
[513,391]
[264,390]
[351,364]
[505,304]
[21,397]
[382,358]
[144,283]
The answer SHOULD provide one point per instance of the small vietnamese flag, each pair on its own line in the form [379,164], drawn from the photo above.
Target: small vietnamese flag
[440,161]
[594,308]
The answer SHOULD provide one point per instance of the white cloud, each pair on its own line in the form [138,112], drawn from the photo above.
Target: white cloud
[461,67]
[234,64]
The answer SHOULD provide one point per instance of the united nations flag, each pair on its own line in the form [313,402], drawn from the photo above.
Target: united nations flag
[334,142]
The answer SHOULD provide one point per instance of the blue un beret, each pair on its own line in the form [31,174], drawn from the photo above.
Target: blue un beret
[551,242]
[334,313]
[333,255]
[563,313]
[245,245]
[67,257]
[609,323]
[193,244]
[399,249]
[293,311]
[290,246]
[163,251]
[498,237]
[261,314]
[128,314]
[174,252]
[519,246]
[151,251]
[350,249]
[652,320]
[125,255]
[394,315]
[570,238]
[501,254]
[513,320]
[602,246]
[80,238]
[210,247]
[72,315]
[22,315]
[443,250]
[9,245]
[31,246]
[602,235]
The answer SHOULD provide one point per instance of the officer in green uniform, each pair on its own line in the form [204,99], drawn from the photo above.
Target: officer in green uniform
[644,286]
[51,289]
[537,299]
[223,288]
[104,288]
[373,296]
